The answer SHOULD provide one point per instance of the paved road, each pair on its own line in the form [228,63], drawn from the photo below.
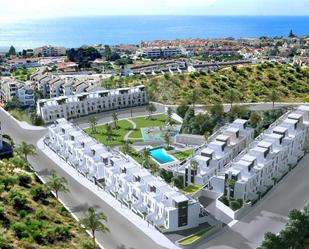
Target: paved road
[270,215]
[123,234]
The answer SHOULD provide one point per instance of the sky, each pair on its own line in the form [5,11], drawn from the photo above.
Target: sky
[28,9]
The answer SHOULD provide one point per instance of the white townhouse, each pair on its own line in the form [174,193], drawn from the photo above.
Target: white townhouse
[26,96]
[212,157]
[82,104]
[268,158]
[148,196]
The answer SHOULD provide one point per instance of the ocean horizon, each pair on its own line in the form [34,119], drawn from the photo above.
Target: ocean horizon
[77,31]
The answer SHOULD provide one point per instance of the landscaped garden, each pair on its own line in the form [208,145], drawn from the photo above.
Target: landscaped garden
[23,74]
[191,189]
[234,204]
[113,136]
[183,155]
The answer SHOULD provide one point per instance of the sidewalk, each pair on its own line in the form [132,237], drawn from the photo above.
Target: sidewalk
[141,224]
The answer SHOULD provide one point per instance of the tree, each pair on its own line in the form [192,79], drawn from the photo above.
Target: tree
[193,97]
[274,96]
[126,147]
[146,156]
[271,241]
[26,150]
[115,119]
[167,139]
[150,109]
[169,113]
[93,221]
[12,51]
[109,131]
[194,165]
[229,183]
[232,96]
[291,34]
[182,109]
[57,184]
[93,123]
[255,119]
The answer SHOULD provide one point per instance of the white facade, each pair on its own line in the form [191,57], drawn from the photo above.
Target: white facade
[88,103]
[223,147]
[165,52]
[148,196]
[9,88]
[47,51]
[269,157]
[25,96]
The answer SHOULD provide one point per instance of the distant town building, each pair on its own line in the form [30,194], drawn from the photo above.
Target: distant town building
[88,103]
[8,89]
[49,51]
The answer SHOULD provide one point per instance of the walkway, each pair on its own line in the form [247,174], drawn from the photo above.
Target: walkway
[126,137]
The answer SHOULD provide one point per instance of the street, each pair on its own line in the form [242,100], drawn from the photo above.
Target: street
[124,235]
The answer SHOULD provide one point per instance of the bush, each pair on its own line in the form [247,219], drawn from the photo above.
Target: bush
[40,214]
[24,180]
[88,244]
[8,181]
[5,243]
[20,230]
[58,232]
[235,205]
[39,193]
[23,214]
[224,200]
[17,199]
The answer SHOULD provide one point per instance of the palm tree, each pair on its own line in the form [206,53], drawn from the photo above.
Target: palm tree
[274,96]
[169,113]
[194,165]
[57,184]
[167,139]
[126,147]
[115,118]
[230,183]
[93,123]
[150,109]
[93,222]
[25,150]
[193,97]
[146,155]
[232,96]
[109,131]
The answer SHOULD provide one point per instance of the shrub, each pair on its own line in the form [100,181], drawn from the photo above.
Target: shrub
[58,232]
[17,199]
[234,205]
[8,181]
[87,244]
[5,243]
[40,214]
[24,179]
[224,200]
[39,193]
[20,230]
[23,214]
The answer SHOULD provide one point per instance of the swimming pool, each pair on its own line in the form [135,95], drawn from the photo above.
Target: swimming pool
[160,155]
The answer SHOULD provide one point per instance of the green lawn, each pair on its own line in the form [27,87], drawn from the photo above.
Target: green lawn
[190,239]
[118,134]
[191,189]
[23,74]
[142,122]
[182,155]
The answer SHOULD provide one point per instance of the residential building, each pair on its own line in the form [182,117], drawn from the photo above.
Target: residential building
[162,52]
[146,195]
[212,157]
[49,51]
[268,158]
[88,103]
[8,89]
[26,96]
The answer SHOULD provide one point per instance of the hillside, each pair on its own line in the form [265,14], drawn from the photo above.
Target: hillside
[30,217]
[252,81]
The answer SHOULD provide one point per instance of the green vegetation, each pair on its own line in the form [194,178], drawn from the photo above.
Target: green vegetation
[23,74]
[153,121]
[183,155]
[254,82]
[26,115]
[294,235]
[30,217]
[194,237]
[234,204]
[191,189]
[108,136]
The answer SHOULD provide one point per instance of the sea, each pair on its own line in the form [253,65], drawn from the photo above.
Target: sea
[78,31]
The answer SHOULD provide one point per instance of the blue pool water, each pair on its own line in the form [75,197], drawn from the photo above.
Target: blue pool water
[160,155]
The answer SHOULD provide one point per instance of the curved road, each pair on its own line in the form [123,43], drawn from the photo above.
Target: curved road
[270,214]
[124,235]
